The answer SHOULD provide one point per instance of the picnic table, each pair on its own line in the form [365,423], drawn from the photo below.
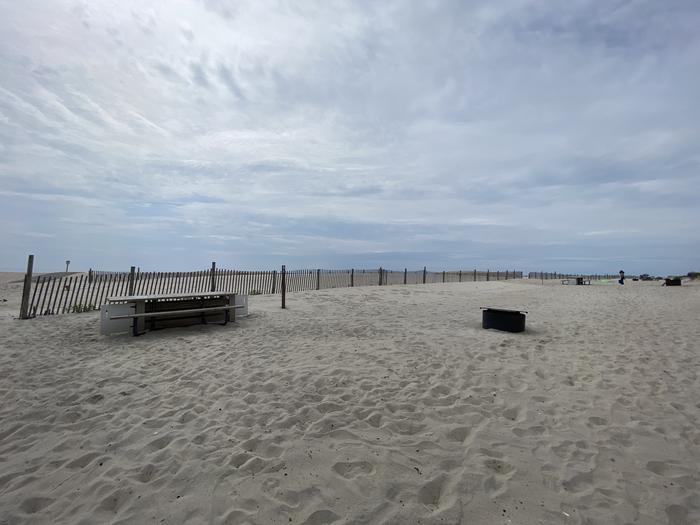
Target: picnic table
[576,280]
[165,310]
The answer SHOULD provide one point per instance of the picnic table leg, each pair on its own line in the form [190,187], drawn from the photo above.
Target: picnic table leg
[152,319]
[231,301]
[139,322]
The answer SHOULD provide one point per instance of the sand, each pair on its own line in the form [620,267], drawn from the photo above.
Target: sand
[366,405]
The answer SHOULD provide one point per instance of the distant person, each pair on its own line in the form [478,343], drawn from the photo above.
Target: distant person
[622,277]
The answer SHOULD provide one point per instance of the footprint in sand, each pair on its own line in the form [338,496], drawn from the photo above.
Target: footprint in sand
[83,460]
[160,443]
[353,469]
[498,466]
[597,421]
[147,473]
[430,493]
[321,517]
[531,431]
[458,434]
[35,504]
[677,515]
[579,482]
[511,413]
[669,469]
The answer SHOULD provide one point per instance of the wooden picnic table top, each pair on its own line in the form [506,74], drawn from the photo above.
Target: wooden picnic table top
[166,296]
[509,310]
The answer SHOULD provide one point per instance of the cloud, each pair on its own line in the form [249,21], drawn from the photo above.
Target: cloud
[198,74]
[373,132]
[226,76]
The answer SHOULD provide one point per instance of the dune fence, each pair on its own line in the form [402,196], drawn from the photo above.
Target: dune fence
[554,275]
[53,294]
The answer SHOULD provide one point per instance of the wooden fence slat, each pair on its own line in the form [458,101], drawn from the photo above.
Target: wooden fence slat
[146,288]
[95,289]
[142,283]
[83,288]
[51,295]
[65,294]
[114,285]
[69,288]
[76,291]
[31,304]
[54,297]
[37,307]
[119,289]
[96,299]
[118,285]
[139,282]
[111,284]
[107,286]
[62,288]
[52,282]
[41,300]
[102,293]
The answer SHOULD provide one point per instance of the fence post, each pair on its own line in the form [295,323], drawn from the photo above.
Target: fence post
[132,274]
[284,286]
[318,278]
[488,275]
[352,277]
[90,276]
[474,274]
[506,275]
[380,275]
[213,276]
[460,276]
[424,271]
[405,274]
[24,307]
[274,281]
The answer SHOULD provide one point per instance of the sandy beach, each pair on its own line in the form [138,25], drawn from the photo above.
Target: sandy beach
[365,405]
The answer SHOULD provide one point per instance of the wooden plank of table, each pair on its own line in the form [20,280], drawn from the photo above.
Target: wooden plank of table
[175,313]
[160,297]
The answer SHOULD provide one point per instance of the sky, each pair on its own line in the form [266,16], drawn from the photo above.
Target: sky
[518,134]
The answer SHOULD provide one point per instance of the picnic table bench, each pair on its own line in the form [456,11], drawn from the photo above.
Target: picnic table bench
[576,280]
[165,310]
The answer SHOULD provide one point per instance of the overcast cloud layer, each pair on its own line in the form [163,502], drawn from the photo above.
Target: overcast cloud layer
[514,134]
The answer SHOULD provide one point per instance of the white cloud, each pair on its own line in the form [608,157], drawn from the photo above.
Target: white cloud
[508,123]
